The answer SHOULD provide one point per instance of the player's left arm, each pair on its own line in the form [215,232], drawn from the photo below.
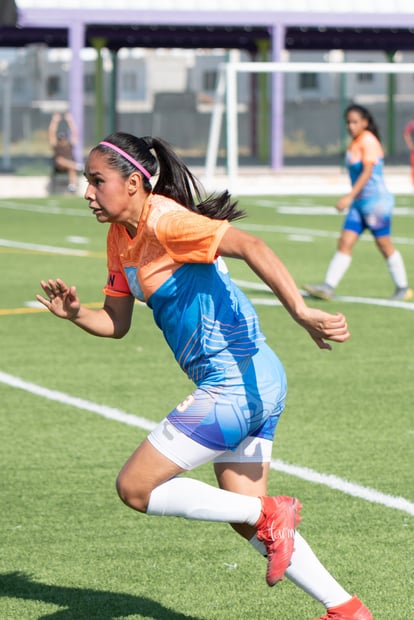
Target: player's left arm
[72,128]
[268,266]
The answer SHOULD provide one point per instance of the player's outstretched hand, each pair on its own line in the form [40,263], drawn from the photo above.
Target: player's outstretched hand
[61,299]
[324,326]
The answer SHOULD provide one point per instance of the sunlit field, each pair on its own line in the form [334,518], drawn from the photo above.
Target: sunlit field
[73,408]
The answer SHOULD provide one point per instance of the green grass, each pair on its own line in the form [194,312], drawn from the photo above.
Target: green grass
[71,550]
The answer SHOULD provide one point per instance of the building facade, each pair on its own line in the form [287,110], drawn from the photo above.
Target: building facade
[171,93]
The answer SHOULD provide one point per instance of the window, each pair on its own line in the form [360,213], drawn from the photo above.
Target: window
[53,85]
[308,81]
[129,82]
[89,82]
[209,80]
[365,77]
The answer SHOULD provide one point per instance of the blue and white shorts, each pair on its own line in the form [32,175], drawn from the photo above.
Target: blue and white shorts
[234,421]
[373,214]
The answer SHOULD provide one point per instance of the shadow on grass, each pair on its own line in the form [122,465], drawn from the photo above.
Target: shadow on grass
[84,603]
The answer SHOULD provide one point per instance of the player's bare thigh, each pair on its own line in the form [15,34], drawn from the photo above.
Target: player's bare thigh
[145,469]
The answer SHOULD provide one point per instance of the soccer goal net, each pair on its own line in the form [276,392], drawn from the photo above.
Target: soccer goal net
[226,101]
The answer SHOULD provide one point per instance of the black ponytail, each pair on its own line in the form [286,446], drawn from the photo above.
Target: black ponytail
[177,182]
[174,179]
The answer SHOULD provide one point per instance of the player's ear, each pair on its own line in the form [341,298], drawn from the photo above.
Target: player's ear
[135,182]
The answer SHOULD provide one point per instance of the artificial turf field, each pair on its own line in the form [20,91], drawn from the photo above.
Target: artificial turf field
[73,408]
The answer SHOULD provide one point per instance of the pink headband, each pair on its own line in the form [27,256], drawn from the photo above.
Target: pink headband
[128,157]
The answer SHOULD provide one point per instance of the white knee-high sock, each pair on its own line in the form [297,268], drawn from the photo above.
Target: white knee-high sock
[337,267]
[192,499]
[397,271]
[307,572]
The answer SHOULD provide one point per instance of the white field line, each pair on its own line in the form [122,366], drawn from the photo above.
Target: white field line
[304,473]
[37,247]
[372,301]
[107,412]
[50,208]
[305,234]
[369,301]
[300,234]
[295,230]
[314,209]
[272,301]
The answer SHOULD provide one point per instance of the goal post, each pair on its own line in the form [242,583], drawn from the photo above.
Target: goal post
[226,99]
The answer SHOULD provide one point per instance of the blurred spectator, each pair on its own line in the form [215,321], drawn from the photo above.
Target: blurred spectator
[62,139]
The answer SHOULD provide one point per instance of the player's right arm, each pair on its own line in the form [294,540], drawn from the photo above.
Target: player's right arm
[111,321]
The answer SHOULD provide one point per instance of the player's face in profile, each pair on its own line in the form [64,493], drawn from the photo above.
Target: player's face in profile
[355,123]
[106,192]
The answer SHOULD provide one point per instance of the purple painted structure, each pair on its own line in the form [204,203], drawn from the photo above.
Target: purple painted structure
[276,23]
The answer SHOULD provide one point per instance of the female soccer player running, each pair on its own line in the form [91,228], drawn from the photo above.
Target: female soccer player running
[165,247]
[370,207]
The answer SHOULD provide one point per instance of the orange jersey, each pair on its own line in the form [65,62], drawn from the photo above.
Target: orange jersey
[168,236]
[366,148]
[172,265]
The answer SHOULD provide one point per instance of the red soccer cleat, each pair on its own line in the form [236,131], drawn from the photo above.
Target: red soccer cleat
[353,609]
[276,529]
